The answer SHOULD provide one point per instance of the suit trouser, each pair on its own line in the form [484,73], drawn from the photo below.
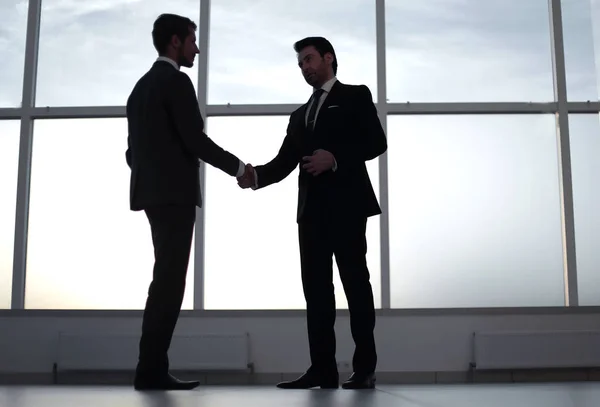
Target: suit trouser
[172,231]
[321,238]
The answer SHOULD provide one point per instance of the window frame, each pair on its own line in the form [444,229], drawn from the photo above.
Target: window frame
[561,107]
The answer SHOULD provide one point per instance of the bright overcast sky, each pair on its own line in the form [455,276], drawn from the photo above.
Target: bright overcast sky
[473,201]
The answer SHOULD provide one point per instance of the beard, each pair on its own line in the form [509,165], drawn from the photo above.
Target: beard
[314,80]
[183,61]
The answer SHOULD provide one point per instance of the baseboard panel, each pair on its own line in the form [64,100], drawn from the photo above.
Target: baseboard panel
[26,379]
[267,379]
[538,349]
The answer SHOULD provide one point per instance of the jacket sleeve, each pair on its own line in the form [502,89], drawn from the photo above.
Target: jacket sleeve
[184,109]
[128,152]
[283,164]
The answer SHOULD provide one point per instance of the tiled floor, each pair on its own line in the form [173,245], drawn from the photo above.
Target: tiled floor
[473,395]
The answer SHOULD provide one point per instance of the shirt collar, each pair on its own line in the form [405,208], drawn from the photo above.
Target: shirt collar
[328,85]
[169,60]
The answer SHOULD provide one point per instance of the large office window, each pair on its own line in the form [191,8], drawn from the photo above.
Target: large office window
[86,249]
[585,150]
[252,59]
[468,51]
[581,19]
[9,160]
[13,30]
[93,53]
[252,257]
[474,201]
[474,212]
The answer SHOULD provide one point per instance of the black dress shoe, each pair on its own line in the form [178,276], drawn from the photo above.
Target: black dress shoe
[309,380]
[166,382]
[360,381]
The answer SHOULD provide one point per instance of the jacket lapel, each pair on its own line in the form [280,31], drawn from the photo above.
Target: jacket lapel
[299,121]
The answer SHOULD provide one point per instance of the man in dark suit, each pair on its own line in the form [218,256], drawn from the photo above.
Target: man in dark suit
[331,137]
[166,140]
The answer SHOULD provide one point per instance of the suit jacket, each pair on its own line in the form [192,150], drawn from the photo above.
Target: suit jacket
[166,139]
[348,127]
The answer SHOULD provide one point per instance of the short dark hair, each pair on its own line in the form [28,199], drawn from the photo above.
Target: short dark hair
[322,46]
[168,25]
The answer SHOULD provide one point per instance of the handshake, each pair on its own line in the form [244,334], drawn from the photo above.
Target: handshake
[248,179]
[315,164]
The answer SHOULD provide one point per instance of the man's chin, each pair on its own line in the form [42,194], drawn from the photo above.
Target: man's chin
[186,63]
[311,82]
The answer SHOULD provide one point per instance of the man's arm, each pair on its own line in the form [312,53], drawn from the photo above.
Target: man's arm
[282,165]
[369,141]
[128,151]
[184,109]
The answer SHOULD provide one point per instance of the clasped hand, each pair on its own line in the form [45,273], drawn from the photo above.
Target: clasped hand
[247,180]
[319,162]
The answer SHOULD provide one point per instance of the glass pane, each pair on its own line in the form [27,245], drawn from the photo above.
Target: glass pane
[474,212]
[585,150]
[252,236]
[581,19]
[112,42]
[13,31]
[9,163]
[86,249]
[250,64]
[468,51]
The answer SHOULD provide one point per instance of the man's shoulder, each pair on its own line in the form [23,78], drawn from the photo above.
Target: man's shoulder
[298,109]
[359,93]
[164,76]
[354,88]
[163,72]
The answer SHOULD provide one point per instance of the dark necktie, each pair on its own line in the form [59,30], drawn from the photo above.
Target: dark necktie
[310,123]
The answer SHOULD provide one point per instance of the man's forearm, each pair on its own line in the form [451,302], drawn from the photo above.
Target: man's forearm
[190,126]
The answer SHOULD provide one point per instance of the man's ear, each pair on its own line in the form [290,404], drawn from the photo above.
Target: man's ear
[329,58]
[175,41]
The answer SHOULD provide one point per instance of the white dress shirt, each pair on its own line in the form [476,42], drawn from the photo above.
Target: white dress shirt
[242,166]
